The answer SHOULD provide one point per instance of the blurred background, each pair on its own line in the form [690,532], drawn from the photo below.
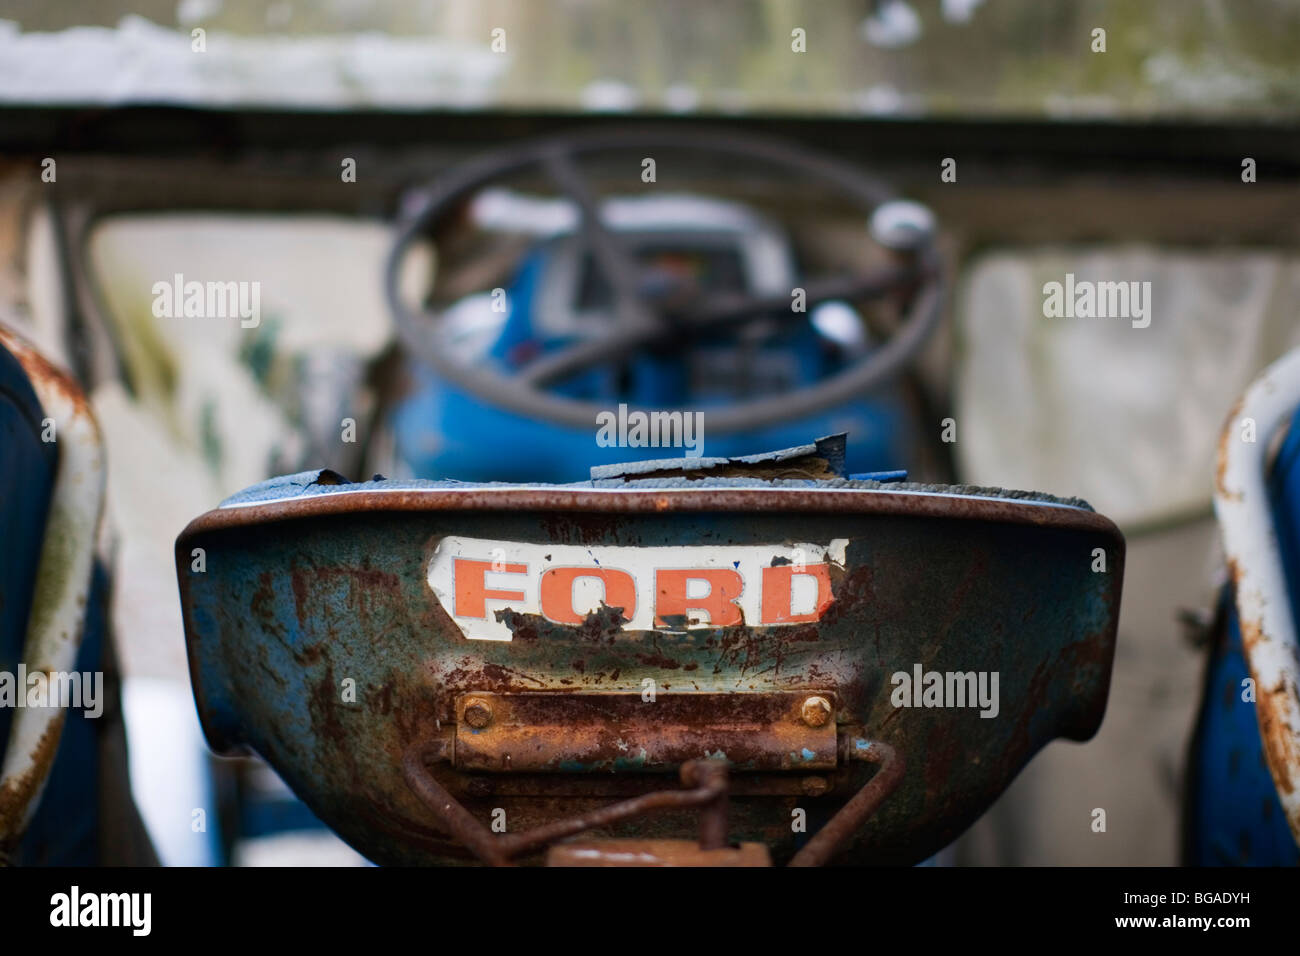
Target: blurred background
[229,162]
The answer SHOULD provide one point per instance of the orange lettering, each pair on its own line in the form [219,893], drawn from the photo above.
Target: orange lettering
[725,586]
[778,596]
[557,592]
[471,593]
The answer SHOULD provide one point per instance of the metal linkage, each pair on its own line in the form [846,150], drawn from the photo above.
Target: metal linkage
[827,841]
[709,793]
[707,778]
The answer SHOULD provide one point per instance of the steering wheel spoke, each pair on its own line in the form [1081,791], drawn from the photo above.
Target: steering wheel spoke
[555,367]
[616,264]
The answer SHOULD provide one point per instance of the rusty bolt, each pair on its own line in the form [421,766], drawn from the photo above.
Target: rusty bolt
[478,712]
[816,711]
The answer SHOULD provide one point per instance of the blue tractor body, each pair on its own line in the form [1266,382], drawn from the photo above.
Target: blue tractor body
[555,300]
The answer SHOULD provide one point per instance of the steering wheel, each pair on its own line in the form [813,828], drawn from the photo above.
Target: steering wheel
[906,229]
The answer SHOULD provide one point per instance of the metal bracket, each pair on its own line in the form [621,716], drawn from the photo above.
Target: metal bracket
[541,733]
[708,783]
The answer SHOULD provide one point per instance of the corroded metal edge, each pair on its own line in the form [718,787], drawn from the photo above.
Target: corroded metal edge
[610,731]
[658,501]
[62,587]
[645,502]
[1268,632]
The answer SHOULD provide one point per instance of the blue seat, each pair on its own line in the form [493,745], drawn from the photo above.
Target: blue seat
[1234,817]
[64,830]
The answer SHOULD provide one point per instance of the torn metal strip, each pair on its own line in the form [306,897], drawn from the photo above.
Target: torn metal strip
[62,590]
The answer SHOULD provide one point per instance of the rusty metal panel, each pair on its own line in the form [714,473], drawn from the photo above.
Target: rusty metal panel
[824,458]
[585,732]
[304,594]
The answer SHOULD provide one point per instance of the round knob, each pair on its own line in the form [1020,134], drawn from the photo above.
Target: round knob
[902,225]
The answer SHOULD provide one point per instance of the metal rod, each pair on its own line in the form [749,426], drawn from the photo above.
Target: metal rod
[830,839]
[710,790]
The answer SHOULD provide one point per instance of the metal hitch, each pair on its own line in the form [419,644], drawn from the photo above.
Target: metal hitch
[707,792]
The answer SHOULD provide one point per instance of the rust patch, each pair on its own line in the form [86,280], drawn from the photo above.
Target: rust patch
[559,503]
[548,732]
[1278,737]
[600,626]
[17,794]
[408,684]
[1221,459]
[44,373]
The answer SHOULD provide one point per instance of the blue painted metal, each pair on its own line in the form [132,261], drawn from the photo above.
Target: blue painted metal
[440,429]
[440,434]
[310,584]
[274,816]
[1235,817]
